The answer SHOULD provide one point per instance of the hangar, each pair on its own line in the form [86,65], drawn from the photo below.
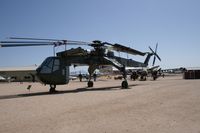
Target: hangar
[192,73]
[19,74]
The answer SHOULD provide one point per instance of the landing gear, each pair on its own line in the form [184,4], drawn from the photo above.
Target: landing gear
[91,70]
[52,88]
[90,83]
[143,78]
[154,77]
[124,84]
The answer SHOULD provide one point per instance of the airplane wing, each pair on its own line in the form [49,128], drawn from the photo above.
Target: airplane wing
[19,74]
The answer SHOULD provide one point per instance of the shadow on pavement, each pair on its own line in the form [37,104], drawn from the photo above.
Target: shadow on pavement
[86,89]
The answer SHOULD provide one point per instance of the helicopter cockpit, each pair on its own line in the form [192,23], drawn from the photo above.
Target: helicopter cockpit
[50,65]
[53,71]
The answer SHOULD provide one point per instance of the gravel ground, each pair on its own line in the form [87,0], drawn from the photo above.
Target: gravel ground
[168,105]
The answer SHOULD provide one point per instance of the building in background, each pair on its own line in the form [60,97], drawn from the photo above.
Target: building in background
[192,73]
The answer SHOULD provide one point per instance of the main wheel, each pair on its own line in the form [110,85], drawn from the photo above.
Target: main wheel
[90,84]
[52,88]
[124,84]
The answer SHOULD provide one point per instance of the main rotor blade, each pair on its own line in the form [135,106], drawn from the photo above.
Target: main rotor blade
[121,48]
[22,45]
[38,44]
[10,42]
[50,40]
[27,38]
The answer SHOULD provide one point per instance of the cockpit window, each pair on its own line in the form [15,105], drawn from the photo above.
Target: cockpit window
[56,65]
[56,62]
[50,65]
[45,69]
[46,61]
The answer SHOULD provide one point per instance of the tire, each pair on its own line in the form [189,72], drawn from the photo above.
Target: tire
[52,88]
[124,85]
[90,84]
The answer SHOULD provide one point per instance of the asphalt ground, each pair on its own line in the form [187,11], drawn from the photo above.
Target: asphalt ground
[168,105]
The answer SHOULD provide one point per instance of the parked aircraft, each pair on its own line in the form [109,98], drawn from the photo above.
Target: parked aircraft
[55,69]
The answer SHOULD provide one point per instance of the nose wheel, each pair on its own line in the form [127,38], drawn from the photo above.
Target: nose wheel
[124,84]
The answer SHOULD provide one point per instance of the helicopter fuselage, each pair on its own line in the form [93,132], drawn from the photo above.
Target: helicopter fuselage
[55,70]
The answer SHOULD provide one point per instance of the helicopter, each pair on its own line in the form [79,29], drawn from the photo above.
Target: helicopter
[54,70]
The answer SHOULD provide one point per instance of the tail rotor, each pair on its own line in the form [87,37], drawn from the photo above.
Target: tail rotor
[155,54]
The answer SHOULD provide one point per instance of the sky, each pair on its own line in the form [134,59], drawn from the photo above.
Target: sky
[173,24]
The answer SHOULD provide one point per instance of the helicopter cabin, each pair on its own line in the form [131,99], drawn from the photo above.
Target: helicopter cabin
[53,71]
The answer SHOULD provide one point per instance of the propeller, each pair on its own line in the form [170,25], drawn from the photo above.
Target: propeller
[155,54]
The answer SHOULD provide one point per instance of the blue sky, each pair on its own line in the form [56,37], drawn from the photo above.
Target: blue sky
[174,24]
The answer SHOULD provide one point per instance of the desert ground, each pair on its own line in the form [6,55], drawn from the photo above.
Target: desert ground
[168,105]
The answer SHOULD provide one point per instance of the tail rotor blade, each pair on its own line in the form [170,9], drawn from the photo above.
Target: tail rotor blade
[151,50]
[156,48]
[155,54]
[158,57]
[154,59]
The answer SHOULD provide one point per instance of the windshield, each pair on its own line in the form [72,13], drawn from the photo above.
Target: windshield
[50,65]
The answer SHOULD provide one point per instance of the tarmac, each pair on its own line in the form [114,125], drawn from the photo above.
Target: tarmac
[167,105]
